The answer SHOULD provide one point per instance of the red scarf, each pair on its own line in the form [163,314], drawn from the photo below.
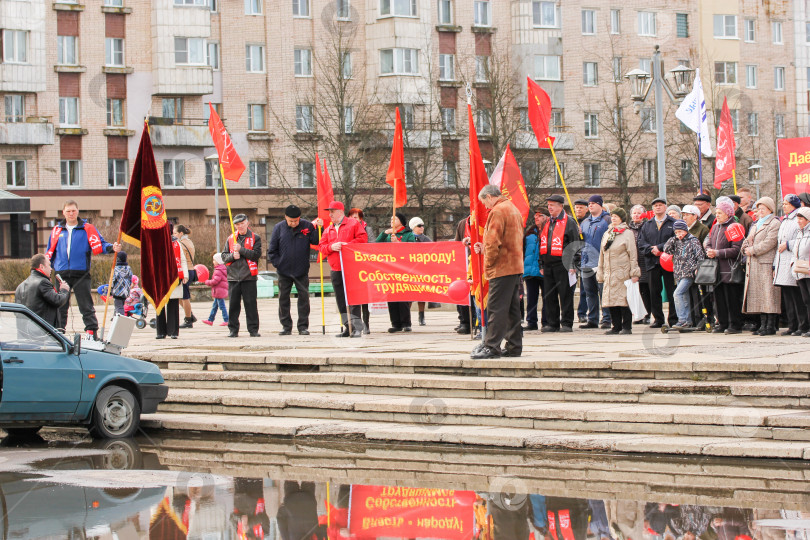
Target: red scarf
[393,236]
[556,240]
[93,238]
[565,525]
[254,268]
[178,259]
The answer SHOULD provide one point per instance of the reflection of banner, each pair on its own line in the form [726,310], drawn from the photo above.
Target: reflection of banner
[794,165]
[399,512]
[402,272]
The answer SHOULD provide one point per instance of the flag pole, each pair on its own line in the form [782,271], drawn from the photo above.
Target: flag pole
[227,201]
[109,291]
[700,164]
[320,264]
[734,179]
[562,180]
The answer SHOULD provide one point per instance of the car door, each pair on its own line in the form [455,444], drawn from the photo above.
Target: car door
[40,377]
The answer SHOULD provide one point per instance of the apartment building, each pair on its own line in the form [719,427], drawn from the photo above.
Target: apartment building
[294,77]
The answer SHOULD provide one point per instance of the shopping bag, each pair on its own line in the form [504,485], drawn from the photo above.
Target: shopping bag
[634,300]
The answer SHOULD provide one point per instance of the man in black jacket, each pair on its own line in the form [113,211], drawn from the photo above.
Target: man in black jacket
[559,266]
[651,239]
[242,260]
[289,251]
[38,294]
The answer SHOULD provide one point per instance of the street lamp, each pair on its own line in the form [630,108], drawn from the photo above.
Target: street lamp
[754,176]
[213,159]
[641,86]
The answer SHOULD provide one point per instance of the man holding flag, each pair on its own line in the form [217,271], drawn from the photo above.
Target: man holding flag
[242,260]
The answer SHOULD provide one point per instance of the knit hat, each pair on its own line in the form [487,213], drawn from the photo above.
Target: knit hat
[121,258]
[415,222]
[680,225]
[794,200]
[218,258]
[621,213]
[725,205]
[674,207]
[691,209]
[292,211]
[768,203]
[804,212]
[402,219]
[596,199]
[804,197]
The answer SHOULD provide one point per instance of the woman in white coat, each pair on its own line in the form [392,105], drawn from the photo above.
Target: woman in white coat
[792,305]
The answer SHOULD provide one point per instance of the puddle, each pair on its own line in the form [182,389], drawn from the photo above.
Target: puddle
[173,487]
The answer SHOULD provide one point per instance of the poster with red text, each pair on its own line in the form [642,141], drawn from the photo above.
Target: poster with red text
[794,165]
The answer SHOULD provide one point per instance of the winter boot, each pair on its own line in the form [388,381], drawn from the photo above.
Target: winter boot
[421,318]
[770,325]
[187,323]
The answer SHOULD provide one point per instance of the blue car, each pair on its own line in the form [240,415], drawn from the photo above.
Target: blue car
[45,379]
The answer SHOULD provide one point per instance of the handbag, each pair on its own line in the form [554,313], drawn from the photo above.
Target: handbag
[737,271]
[708,272]
[801,267]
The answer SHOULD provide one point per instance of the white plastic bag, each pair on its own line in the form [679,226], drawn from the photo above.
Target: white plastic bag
[634,300]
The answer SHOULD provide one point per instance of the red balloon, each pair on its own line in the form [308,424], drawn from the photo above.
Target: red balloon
[735,232]
[666,262]
[459,291]
[202,272]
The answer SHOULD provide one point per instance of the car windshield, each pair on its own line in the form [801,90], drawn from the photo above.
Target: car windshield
[20,332]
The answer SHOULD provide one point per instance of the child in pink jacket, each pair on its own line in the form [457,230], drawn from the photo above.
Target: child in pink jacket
[219,291]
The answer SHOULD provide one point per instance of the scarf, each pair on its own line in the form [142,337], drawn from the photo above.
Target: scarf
[612,236]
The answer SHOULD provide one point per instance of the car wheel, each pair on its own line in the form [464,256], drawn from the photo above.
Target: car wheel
[22,432]
[116,414]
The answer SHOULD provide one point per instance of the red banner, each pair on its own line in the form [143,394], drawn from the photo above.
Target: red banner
[794,165]
[400,512]
[403,272]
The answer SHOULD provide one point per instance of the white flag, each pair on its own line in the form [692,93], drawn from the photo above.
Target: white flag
[692,113]
[497,174]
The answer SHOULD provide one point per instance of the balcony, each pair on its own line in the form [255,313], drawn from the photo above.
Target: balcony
[525,140]
[179,132]
[33,132]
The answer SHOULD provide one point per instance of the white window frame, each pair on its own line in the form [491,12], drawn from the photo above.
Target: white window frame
[750,29]
[779,78]
[687,170]
[649,171]
[751,76]
[70,170]
[253,7]
[254,54]
[777,33]
[398,8]
[445,12]
[648,121]
[547,67]
[593,174]
[588,19]
[726,72]
[67,51]
[721,25]
[348,120]
[302,59]
[174,173]
[211,169]
[647,24]
[483,122]
[615,21]
[114,52]
[407,116]
[114,3]
[779,126]
[212,55]
[304,119]
[686,24]
[14,108]
[256,117]
[591,125]
[117,173]
[753,124]
[448,119]
[482,10]
[541,10]
[346,69]
[190,51]
[306,174]
[616,70]
[556,124]
[13,166]
[300,9]
[447,67]
[15,46]
[112,110]
[69,112]
[590,79]
[259,178]
[343,11]
[449,174]
[401,61]
[482,69]
[192,3]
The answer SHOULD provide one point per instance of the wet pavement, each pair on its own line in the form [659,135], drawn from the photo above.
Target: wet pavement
[168,486]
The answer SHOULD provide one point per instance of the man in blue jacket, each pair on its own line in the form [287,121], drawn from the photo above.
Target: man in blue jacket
[594,226]
[289,252]
[72,244]
[651,239]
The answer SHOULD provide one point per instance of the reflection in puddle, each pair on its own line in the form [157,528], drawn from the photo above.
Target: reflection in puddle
[211,489]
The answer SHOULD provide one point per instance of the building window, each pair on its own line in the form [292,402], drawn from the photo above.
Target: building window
[448,120]
[529,171]
[557,179]
[189,51]
[591,125]
[556,121]
[618,117]
[750,76]
[588,22]
[253,7]
[590,74]
[346,66]
[725,26]
[254,58]
[15,173]
[348,120]
[483,122]
[735,119]
[300,8]
[14,107]
[399,8]
[725,72]
[483,13]
[116,173]
[807,32]
[544,14]
[449,174]
[752,173]
[407,116]
[753,124]
[682,25]
[201,3]
[482,69]
[212,55]
[303,62]
[303,119]
[615,21]
[207,111]
[71,172]
[410,173]
[349,177]
[547,67]
[646,23]
[648,124]
[69,112]
[645,65]
[399,62]
[617,69]
[115,112]
[258,174]
[524,124]
[256,118]
[779,125]
[174,172]
[114,52]
[342,11]
[172,108]
[15,46]
[776,30]
[66,50]
[592,174]
[447,70]
[212,171]
[114,3]
[686,170]
[750,30]
[779,78]
[446,12]
[306,174]
[649,171]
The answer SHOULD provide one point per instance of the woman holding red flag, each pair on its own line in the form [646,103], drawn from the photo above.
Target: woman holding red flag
[400,312]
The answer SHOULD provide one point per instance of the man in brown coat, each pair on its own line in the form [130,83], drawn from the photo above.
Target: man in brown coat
[502,247]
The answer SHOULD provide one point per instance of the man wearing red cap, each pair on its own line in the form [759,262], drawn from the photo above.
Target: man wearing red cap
[342,230]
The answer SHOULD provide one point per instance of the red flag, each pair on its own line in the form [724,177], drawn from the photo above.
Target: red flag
[478,214]
[232,166]
[395,177]
[324,189]
[508,178]
[725,162]
[144,225]
[539,112]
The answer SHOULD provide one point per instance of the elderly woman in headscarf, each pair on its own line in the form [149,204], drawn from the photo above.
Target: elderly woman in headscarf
[674,211]
[801,253]
[761,296]
[793,307]
[618,262]
[728,295]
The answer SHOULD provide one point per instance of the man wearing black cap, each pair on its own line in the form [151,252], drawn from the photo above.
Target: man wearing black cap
[704,204]
[744,219]
[289,252]
[559,232]
[242,260]
[651,239]
[581,213]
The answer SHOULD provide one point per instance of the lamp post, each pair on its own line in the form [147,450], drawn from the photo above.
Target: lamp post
[213,158]
[755,168]
[642,83]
